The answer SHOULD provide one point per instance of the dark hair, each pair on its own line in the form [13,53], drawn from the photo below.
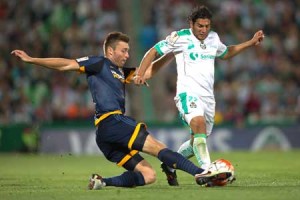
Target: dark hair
[200,12]
[113,38]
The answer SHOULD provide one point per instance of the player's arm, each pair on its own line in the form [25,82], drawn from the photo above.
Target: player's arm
[149,57]
[61,64]
[236,49]
[157,65]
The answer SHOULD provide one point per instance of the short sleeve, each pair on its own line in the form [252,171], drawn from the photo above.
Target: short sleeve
[90,64]
[174,42]
[222,49]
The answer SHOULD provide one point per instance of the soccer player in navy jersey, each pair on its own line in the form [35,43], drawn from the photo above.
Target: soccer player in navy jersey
[118,136]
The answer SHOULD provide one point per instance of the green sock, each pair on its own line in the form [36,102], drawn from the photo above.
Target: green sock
[200,150]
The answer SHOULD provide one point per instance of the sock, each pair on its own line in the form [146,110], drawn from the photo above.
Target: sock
[201,150]
[177,161]
[186,149]
[127,179]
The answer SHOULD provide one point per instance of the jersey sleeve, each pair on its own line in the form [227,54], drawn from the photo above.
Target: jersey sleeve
[172,43]
[222,49]
[90,64]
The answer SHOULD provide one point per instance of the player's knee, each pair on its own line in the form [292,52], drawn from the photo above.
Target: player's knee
[200,121]
[198,125]
[149,176]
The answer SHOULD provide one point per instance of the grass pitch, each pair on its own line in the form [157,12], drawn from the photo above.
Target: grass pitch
[263,175]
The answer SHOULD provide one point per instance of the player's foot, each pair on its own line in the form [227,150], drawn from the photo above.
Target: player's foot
[207,177]
[171,176]
[96,182]
[230,180]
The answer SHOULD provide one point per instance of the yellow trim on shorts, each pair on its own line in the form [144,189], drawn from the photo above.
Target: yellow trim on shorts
[127,157]
[105,115]
[134,135]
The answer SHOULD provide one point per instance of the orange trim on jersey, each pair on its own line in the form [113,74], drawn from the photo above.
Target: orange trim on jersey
[127,157]
[134,135]
[129,77]
[105,115]
[82,69]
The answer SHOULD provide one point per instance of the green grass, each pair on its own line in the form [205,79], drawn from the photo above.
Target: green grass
[263,175]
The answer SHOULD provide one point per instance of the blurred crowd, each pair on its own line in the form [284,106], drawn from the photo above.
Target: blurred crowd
[260,85]
[56,28]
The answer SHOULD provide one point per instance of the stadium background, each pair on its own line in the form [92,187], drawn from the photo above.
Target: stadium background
[256,91]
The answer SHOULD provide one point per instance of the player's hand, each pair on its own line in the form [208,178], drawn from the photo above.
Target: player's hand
[139,80]
[258,37]
[22,55]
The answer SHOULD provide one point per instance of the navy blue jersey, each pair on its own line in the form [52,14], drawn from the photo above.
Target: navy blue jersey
[118,136]
[106,82]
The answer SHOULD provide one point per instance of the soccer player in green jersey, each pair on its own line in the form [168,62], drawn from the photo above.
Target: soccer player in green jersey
[195,50]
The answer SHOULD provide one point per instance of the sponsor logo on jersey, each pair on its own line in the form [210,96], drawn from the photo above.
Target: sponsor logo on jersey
[195,56]
[118,76]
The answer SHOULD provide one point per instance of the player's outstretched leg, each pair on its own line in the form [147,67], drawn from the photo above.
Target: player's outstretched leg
[177,161]
[186,150]
[127,179]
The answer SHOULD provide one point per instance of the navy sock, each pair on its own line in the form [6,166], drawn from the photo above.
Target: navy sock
[177,161]
[127,179]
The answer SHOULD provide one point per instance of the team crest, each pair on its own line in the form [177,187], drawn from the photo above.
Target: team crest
[193,105]
[202,45]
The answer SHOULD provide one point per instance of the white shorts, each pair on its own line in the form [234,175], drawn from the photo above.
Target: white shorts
[190,105]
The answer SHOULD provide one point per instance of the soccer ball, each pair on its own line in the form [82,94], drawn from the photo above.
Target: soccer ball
[222,165]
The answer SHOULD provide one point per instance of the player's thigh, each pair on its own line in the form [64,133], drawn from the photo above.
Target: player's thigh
[120,138]
[152,146]
[113,135]
[189,106]
[198,125]
[123,157]
[122,131]
[210,114]
[197,112]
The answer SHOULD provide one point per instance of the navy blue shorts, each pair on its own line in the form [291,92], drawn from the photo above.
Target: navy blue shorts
[120,138]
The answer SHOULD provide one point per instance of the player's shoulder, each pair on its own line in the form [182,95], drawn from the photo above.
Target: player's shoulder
[178,36]
[90,59]
[184,32]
